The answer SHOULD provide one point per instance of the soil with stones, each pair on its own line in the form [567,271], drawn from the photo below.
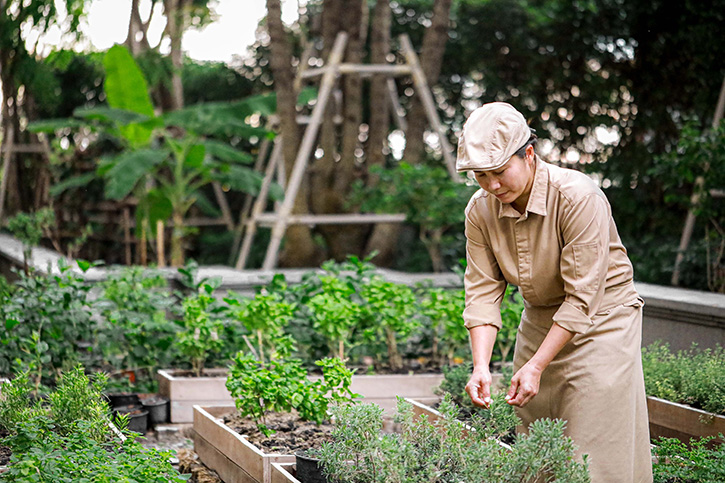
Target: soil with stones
[291,434]
[5,452]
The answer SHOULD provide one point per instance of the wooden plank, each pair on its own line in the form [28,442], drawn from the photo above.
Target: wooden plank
[36,148]
[397,110]
[671,419]
[235,447]
[392,70]
[259,204]
[269,219]
[227,470]
[423,90]
[306,146]
[8,140]
[284,473]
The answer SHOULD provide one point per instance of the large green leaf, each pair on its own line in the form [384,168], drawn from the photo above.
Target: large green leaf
[105,114]
[214,119]
[52,125]
[125,85]
[227,153]
[129,168]
[240,178]
[126,89]
[195,156]
[72,182]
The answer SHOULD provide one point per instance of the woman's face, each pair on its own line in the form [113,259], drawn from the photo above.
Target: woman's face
[512,182]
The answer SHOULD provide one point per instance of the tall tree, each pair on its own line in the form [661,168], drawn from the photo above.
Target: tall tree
[299,247]
[25,81]
[431,59]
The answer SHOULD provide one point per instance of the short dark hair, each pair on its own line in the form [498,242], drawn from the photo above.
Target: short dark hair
[521,153]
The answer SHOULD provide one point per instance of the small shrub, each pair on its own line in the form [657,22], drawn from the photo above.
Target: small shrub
[695,377]
[696,462]
[201,335]
[282,385]
[445,451]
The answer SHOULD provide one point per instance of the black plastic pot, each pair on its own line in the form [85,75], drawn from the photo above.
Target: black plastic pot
[138,418]
[158,408]
[122,399]
[309,469]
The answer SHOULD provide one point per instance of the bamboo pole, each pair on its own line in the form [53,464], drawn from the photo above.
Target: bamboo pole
[306,146]
[161,262]
[224,205]
[127,235]
[8,142]
[423,90]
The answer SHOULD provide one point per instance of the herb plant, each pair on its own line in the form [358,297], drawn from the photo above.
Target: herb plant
[201,333]
[29,229]
[444,451]
[443,308]
[700,461]
[390,310]
[282,385]
[695,377]
[334,313]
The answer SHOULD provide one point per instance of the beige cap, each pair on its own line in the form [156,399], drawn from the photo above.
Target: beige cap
[491,135]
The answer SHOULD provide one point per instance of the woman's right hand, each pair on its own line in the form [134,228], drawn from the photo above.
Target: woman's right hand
[479,387]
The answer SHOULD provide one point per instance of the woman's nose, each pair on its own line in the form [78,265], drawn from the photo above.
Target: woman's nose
[493,184]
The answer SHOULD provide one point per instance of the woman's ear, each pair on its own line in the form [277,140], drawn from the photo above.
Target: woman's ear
[530,153]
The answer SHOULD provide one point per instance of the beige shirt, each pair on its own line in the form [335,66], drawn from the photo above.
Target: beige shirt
[563,251]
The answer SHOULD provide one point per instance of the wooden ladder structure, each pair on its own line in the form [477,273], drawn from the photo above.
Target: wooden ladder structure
[334,67]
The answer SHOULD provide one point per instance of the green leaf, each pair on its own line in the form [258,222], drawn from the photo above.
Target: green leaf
[126,89]
[226,153]
[129,168]
[72,182]
[241,179]
[195,156]
[52,125]
[159,207]
[119,116]
[84,265]
[10,323]
[306,95]
[125,85]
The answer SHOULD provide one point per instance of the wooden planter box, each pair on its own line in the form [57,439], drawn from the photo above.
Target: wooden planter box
[672,420]
[227,452]
[284,473]
[186,392]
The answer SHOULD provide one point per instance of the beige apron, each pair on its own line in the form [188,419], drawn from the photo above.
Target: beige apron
[595,383]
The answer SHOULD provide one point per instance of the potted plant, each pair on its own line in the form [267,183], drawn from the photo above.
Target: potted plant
[199,337]
[685,391]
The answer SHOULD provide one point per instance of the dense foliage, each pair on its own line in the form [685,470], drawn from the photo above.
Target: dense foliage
[695,377]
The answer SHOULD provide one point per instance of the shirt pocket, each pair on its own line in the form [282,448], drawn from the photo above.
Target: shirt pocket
[586,267]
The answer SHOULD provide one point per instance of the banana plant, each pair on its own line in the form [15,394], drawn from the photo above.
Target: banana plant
[164,160]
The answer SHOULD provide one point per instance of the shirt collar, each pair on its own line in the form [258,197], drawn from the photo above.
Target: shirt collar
[537,197]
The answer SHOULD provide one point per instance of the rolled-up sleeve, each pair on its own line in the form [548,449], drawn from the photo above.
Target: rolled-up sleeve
[584,261]
[483,280]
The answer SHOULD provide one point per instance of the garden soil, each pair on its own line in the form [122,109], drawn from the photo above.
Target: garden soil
[291,434]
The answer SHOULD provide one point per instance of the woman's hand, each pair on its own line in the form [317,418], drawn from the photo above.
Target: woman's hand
[524,385]
[479,387]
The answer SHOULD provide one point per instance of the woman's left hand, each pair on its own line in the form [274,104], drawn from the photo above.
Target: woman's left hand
[524,385]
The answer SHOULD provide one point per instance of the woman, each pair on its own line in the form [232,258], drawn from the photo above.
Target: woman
[549,231]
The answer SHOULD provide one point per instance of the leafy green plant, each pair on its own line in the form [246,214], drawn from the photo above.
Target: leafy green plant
[138,333]
[428,196]
[200,335]
[444,451]
[48,456]
[334,313]
[700,461]
[512,306]
[265,316]
[29,229]
[443,308]
[175,152]
[695,377]
[282,385]
[389,309]
[45,318]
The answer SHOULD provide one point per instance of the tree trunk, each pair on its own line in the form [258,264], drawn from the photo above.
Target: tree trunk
[137,36]
[384,237]
[177,240]
[431,58]
[175,28]
[299,249]
[334,174]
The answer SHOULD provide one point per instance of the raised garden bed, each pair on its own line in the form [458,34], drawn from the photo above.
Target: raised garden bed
[185,392]
[227,452]
[672,420]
